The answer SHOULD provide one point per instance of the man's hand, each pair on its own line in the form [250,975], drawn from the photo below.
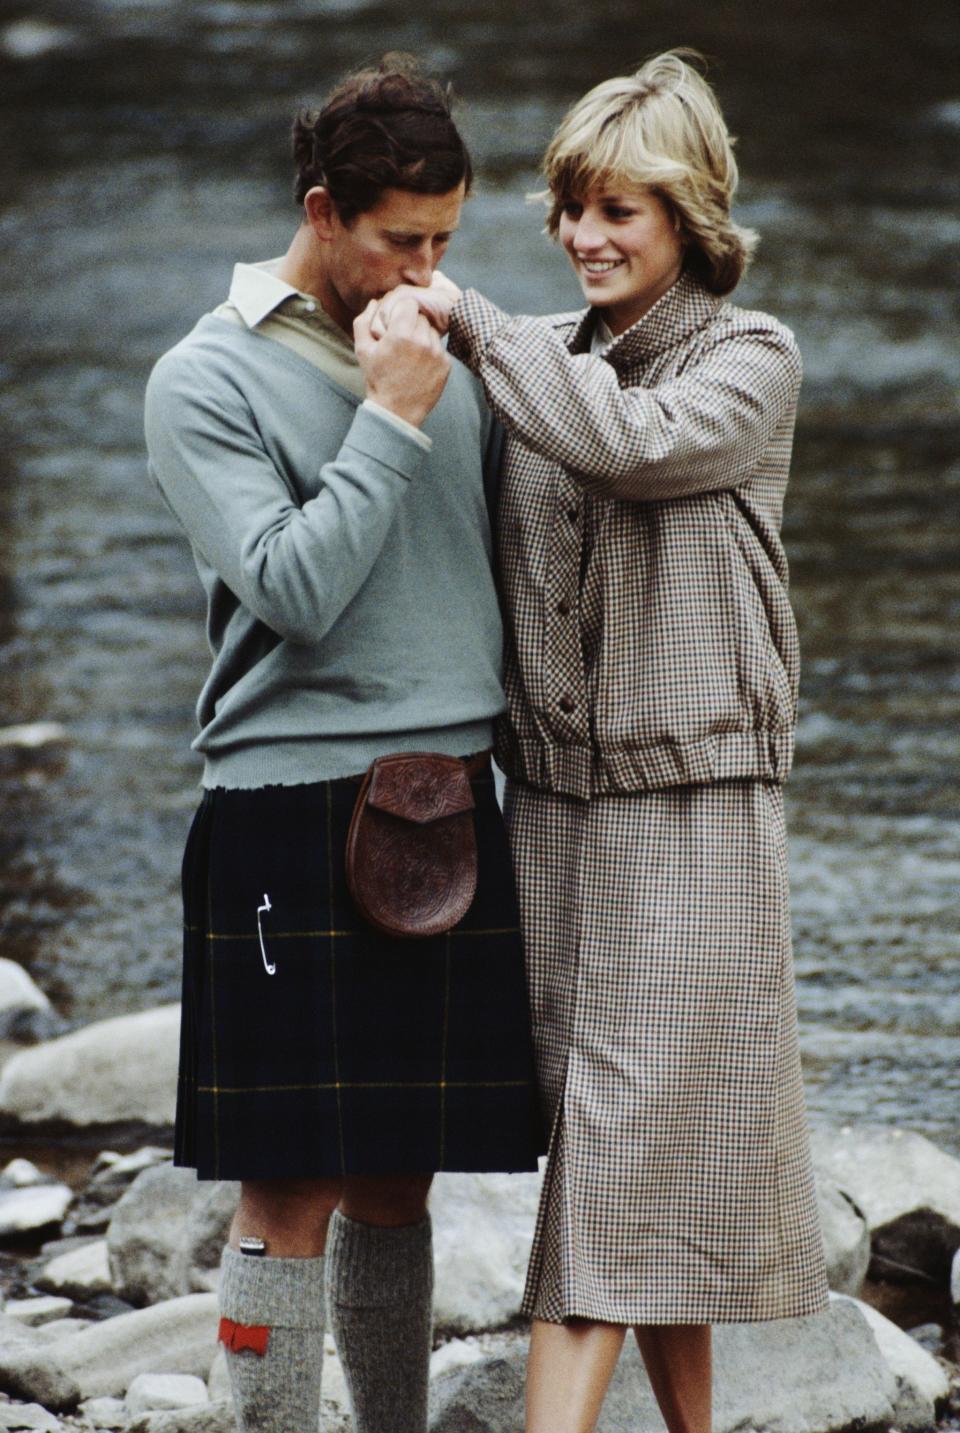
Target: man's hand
[435,302]
[407,368]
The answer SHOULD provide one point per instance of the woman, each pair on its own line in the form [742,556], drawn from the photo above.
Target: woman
[652,679]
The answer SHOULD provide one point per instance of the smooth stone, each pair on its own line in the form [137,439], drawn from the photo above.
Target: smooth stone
[63,1328]
[27,1415]
[821,1374]
[116,1071]
[37,1311]
[150,1392]
[33,1207]
[145,1237]
[178,1336]
[955,1280]
[25,1012]
[31,1370]
[846,1238]
[20,1173]
[209,1418]
[888,1172]
[106,1413]
[482,1232]
[110,1176]
[922,1384]
[32,734]
[207,1227]
[80,1273]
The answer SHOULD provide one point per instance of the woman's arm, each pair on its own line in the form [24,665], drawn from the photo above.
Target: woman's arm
[706,429]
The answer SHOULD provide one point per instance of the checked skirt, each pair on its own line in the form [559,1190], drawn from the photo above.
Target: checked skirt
[357,1053]
[678,1186]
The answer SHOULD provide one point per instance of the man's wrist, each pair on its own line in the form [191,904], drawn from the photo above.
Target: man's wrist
[398,421]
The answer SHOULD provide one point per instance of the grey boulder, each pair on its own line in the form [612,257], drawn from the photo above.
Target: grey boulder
[822,1374]
[178,1336]
[846,1238]
[145,1234]
[482,1231]
[117,1072]
[80,1273]
[908,1191]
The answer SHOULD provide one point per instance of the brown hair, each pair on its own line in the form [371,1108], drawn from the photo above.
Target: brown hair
[660,128]
[388,127]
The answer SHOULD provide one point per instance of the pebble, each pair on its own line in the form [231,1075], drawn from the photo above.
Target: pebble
[27,1415]
[20,1173]
[32,1207]
[106,1413]
[154,1392]
[35,1312]
[81,1273]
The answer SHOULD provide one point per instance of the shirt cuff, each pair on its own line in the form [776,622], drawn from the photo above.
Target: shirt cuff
[412,431]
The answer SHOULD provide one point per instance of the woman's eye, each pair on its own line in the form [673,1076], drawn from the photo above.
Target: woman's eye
[571,208]
[615,211]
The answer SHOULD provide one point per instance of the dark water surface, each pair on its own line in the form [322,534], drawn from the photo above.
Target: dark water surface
[143,151]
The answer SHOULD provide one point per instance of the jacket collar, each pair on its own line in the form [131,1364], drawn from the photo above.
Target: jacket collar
[681,311]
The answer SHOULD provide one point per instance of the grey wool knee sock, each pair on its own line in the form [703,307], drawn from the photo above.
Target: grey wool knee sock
[380,1299]
[272,1318]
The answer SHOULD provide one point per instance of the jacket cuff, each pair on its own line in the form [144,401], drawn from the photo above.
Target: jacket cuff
[474,322]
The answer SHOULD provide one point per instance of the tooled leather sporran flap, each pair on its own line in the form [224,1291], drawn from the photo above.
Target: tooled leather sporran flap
[411,857]
[420,787]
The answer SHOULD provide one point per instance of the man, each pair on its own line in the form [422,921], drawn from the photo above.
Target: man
[333,494]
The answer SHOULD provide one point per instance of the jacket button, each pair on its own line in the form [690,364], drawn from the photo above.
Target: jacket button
[563,608]
[573,514]
[566,705]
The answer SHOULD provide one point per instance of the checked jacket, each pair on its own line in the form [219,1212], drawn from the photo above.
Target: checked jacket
[650,638]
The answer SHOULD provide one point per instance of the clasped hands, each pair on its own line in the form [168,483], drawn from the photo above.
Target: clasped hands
[397,340]
[434,302]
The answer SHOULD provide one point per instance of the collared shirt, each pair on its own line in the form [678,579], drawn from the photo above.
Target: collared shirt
[263,301]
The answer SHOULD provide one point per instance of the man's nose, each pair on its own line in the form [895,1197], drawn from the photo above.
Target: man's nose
[418,270]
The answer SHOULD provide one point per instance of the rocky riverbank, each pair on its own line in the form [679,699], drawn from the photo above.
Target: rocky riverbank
[108,1281]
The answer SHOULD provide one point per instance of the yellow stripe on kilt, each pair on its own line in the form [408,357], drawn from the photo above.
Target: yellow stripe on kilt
[364,1085]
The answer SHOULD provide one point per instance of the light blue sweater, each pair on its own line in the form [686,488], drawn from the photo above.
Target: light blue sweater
[351,604]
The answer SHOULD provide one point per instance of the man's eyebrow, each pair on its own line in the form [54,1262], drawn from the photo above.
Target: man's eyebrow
[396,232]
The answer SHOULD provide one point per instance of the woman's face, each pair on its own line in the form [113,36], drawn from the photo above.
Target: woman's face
[625,250]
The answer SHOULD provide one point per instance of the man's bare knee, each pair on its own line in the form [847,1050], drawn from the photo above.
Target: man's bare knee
[386,1200]
[289,1215]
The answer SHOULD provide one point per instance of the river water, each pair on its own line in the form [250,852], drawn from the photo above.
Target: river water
[143,151]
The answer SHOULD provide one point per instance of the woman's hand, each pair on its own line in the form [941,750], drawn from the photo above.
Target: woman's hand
[405,369]
[436,302]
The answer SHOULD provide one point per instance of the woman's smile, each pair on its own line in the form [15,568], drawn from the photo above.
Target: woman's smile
[625,248]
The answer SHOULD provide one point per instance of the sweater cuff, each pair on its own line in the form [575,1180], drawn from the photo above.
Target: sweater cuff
[474,322]
[424,439]
[388,444]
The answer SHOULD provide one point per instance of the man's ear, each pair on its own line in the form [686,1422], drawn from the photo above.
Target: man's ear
[319,211]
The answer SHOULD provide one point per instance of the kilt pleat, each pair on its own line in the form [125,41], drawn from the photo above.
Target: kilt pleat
[359,1053]
[679,1186]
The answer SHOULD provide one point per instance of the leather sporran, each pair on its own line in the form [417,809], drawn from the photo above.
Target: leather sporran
[412,846]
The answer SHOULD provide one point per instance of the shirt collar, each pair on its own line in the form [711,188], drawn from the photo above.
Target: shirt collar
[256,291]
[685,307]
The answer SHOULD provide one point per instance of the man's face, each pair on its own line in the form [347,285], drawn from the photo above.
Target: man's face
[401,240]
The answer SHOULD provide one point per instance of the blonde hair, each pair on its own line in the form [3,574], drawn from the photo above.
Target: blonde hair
[660,129]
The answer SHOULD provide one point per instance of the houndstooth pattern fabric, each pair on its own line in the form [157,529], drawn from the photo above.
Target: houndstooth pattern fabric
[650,639]
[678,1186]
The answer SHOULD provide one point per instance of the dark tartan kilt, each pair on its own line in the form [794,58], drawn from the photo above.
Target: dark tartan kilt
[362,1054]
